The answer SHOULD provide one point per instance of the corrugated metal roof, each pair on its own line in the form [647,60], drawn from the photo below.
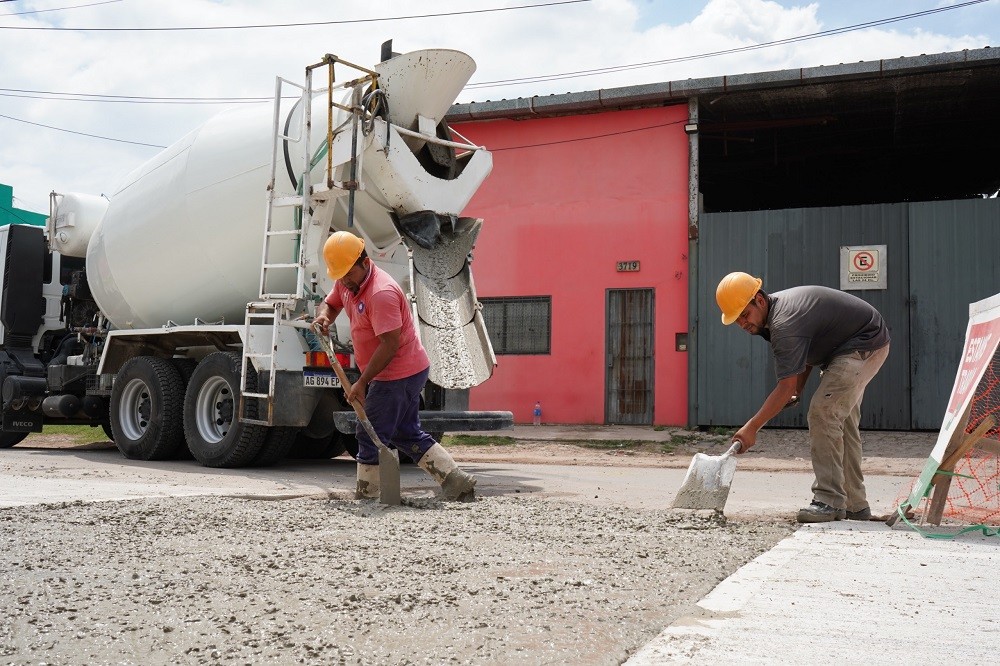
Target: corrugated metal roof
[671,92]
[908,129]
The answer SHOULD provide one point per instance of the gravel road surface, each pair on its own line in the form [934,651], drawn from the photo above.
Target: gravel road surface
[220,580]
[508,579]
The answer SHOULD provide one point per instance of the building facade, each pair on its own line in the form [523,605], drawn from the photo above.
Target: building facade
[582,265]
[611,215]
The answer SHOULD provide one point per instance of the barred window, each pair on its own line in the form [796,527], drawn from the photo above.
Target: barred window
[519,324]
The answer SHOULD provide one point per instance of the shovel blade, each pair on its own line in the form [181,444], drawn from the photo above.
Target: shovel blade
[706,484]
[388,477]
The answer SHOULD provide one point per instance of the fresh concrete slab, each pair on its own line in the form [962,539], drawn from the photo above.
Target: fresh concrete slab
[844,593]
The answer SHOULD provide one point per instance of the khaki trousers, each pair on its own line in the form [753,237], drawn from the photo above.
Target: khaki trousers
[834,414]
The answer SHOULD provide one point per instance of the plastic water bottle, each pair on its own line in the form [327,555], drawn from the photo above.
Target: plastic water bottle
[537,413]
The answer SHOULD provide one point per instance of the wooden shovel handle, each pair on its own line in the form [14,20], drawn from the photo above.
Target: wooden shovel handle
[339,369]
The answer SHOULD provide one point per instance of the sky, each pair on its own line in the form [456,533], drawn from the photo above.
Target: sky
[85,97]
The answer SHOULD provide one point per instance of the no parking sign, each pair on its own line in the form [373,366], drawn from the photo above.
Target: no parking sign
[862,267]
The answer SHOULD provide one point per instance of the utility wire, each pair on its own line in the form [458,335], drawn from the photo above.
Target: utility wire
[56,9]
[126,99]
[11,211]
[297,25]
[25,205]
[541,78]
[591,136]
[711,54]
[93,136]
[536,79]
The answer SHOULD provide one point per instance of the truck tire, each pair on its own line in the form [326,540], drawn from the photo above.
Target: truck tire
[277,444]
[214,433]
[186,367]
[9,439]
[146,409]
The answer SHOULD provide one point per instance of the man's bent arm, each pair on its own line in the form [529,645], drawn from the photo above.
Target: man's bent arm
[801,379]
[775,402]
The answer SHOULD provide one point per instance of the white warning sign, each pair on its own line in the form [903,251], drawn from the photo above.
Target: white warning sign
[863,267]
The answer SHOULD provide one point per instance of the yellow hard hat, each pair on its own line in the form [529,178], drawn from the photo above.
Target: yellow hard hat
[340,251]
[734,292]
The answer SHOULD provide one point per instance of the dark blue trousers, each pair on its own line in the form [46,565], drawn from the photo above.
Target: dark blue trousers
[392,409]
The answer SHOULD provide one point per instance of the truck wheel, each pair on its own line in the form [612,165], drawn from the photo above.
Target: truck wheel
[9,439]
[276,446]
[106,427]
[146,409]
[212,427]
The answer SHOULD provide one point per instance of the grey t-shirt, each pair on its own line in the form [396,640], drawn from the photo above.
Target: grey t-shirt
[810,325]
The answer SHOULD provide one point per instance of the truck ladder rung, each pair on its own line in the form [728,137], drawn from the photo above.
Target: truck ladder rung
[265,309]
[285,232]
[248,394]
[254,421]
[282,202]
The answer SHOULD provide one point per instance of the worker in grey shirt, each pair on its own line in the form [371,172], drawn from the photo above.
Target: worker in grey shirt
[847,339]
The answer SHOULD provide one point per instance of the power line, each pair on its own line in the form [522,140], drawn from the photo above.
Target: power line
[126,99]
[93,136]
[25,205]
[14,92]
[542,78]
[13,213]
[592,136]
[302,24]
[711,54]
[56,9]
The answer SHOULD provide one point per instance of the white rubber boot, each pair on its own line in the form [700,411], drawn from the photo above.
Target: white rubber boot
[456,485]
[368,484]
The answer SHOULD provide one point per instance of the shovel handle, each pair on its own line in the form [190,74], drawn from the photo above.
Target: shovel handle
[339,369]
[346,384]
[735,448]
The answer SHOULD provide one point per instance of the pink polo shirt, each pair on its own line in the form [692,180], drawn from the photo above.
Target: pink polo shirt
[380,307]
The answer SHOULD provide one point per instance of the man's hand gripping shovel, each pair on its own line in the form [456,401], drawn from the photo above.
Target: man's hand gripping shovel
[388,461]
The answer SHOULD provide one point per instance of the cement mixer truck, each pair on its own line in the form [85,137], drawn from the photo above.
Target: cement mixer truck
[171,314]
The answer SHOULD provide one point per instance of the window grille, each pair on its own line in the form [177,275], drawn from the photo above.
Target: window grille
[519,324]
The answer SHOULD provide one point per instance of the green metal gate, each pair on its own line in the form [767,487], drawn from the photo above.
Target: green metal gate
[940,258]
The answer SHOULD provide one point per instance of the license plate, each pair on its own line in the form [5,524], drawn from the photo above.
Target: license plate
[320,379]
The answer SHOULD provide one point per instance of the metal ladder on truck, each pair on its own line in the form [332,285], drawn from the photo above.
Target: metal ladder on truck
[276,307]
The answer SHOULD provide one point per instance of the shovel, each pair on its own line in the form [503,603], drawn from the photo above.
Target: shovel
[706,485]
[388,460]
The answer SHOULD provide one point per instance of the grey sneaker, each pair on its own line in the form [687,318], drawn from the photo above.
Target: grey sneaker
[818,512]
[863,514]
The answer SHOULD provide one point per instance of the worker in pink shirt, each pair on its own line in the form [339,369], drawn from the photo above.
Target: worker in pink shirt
[394,367]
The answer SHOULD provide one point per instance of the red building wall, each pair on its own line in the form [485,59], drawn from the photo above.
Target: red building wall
[568,198]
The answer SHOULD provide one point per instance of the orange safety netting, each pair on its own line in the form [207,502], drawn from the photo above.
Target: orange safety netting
[974,494]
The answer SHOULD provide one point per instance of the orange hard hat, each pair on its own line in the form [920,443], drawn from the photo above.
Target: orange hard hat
[340,251]
[734,292]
